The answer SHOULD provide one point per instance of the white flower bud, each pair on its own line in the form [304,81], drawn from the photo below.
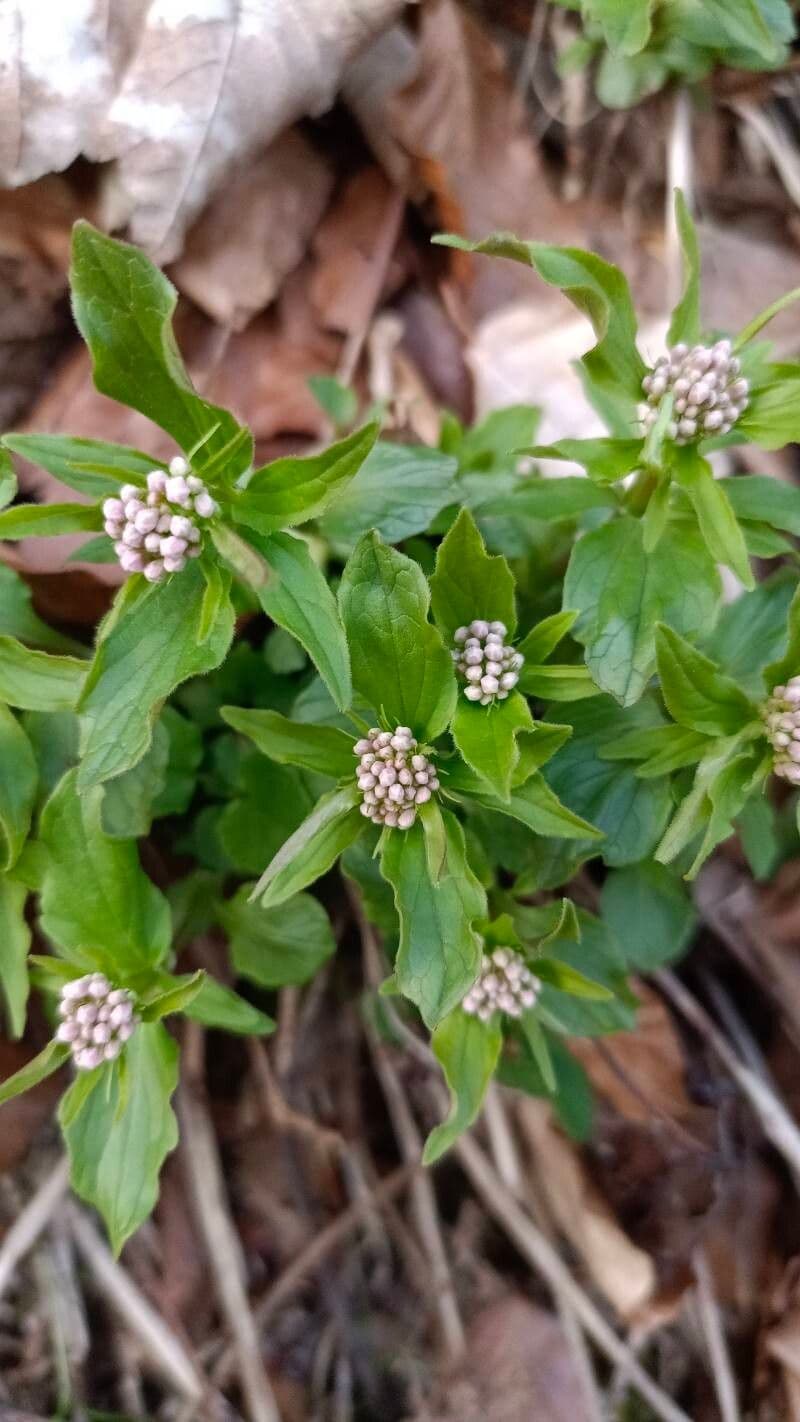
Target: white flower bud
[113,508]
[177,490]
[204,505]
[154,570]
[156,481]
[178,466]
[129,491]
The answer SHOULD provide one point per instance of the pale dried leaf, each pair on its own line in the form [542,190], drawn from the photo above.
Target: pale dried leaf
[390,63]
[620,1270]
[254,232]
[642,1073]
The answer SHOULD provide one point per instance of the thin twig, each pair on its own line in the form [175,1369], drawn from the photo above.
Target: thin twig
[29,1224]
[714,1335]
[547,1262]
[160,1346]
[225,1254]
[423,1199]
[778,1125]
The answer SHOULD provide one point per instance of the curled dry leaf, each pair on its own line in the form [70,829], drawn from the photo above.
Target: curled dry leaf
[254,232]
[344,248]
[175,91]
[622,1272]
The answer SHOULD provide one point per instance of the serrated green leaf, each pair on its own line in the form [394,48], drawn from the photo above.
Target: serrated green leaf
[118,1137]
[622,593]
[218,1006]
[534,803]
[123,308]
[717,520]
[149,652]
[321,748]
[397,492]
[15,940]
[44,1064]
[548,499]
[605,459]
[696,692]
[467,1050]
[96,902]
[659,750]
[294,490]
[558,683]
[37,681]
[545,636]
[48,520]
[440,951]
[486,736]
[173,995]
[469,583]
[762,498]
[650,914]
[400,664]
[17,618]
[299,600]
[278,946]
[313,848]
[786,666]
[129,801]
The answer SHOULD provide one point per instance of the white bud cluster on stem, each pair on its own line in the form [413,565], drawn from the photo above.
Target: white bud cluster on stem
[709,393]
[96,1019]
[393,777]
[155,531]
[505,985]
[488,666]
[781,715]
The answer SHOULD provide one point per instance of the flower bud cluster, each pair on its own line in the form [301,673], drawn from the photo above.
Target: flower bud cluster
[505,985]
[709,393]
[96,1019]
[393,777]
[781,713]
[156,531]
[489,667]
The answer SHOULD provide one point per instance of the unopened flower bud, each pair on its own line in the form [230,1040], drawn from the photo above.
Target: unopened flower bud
[485,663]
[393,777]
[504,984]
[709,394]
[96,1019]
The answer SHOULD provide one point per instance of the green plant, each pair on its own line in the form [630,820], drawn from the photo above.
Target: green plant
[398,710]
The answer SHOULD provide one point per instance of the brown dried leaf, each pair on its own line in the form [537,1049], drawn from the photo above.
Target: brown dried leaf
[255,232]
[344,245]
[642,1073]
[622,1272]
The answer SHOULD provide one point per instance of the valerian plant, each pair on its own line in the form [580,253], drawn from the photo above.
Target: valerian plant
[543,675]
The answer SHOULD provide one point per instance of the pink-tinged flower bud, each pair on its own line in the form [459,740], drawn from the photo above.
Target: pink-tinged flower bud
[181,526]
[154,570]
[113,508]
[479,628]
[363,747]
[132,508]
[152,542]
[101,1033]
[499,629]
[129,491]
[396,794]
[423,794]
[405,819]
[121,1013]
[508,681]
[164,523]
[489,684]
[204,505]
[474,673]
[473,693]
[178,466]
[460,634]
[98,985]
[157,481]
[112,1049]
[172,547]
[146,520]
[131,560]
[174,565]
[196,485]
[131,536]
[125,1030]
[88,1058]
[68,1031]
[86,1014]
[113,528]
[177,490]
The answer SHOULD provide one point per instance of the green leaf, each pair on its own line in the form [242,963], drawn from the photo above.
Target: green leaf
[534,803]
[321,748]
[558,683]
[96,902]
[298,599]
[174,995]
[625,23]
[338,401]
[123,308]
[467,1050]
[47,520]
[17,618]
[650,914]
[240,557]
[185,752]
[545,637]
[697,693]
[400,664]
[786,666]
[440,952]
[118,1135]
[18,779]
[605,459]
[494,441]
[90,466]
[599,291]
[218,1006]
[659,750]
[129,801]
[772,418]
[549,499]
[149,652]
[685,323]
[215,599]
[292,491]
[760,497]
[721,532]
[569,979]
[751,631]
[397,492]
[313,848]
[622,593]
[36,681]
[468,583]
[8,480]
[486,736]
[48,1061]
[632,813]
[596,956]
[723,781]
[15,940]
[277,946]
